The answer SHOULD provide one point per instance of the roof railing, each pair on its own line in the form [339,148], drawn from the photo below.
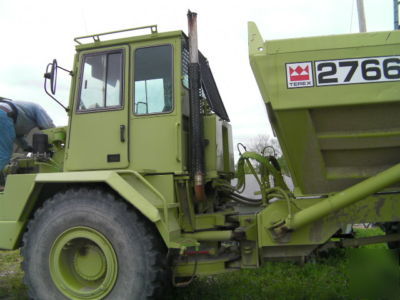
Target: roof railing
[96,37]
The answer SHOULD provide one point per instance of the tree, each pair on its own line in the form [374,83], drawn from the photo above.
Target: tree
[265,144]
[268,145]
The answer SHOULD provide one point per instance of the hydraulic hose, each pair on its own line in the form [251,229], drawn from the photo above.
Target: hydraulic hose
[244,200]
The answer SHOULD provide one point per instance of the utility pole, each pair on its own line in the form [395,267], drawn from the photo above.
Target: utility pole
[396,14]
[361,16]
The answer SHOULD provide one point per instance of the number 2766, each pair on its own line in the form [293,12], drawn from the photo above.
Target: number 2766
[358,70]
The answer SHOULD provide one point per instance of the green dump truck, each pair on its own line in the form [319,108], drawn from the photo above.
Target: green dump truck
[135,192]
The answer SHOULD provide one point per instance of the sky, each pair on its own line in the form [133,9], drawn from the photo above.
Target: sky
[32,33]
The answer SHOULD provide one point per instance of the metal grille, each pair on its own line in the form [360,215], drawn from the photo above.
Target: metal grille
[211,90]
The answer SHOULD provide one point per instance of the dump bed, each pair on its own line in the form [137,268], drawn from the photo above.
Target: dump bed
[334,104]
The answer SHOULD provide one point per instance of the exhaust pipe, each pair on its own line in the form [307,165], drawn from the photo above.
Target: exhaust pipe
[196,120]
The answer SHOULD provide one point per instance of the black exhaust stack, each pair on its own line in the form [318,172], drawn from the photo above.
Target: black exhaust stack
[196,119]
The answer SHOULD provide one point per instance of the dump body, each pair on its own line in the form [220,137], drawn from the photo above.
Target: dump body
[333,102]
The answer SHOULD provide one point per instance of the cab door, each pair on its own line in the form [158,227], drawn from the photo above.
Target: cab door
[98,137]
[156,127]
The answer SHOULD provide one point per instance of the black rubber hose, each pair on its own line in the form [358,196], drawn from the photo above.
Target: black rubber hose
[244,200]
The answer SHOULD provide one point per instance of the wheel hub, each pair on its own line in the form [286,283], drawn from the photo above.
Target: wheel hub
[83,264]
[90,262]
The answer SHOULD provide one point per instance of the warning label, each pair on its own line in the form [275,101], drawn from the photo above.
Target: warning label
[299,75]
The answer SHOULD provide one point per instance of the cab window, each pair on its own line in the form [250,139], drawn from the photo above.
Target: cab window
[101,85]
[153,80]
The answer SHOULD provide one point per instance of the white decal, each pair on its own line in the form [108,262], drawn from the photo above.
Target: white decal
[357,70]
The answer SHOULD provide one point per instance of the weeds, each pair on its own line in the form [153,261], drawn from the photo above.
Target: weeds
[324,278]
[11,286]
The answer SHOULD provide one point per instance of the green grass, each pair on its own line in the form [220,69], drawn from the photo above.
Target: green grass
[325,278]
[11,286]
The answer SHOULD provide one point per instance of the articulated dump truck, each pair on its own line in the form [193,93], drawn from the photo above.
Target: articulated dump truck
[135,193]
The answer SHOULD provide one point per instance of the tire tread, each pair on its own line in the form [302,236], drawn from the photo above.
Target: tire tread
[156,258]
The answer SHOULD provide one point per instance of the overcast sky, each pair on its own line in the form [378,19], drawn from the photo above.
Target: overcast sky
[32,33]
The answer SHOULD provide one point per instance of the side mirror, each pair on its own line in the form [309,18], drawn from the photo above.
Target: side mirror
[52,75]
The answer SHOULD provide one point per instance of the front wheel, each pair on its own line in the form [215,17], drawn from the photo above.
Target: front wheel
[85,244]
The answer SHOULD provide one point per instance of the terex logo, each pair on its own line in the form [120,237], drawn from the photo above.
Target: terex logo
[299,75]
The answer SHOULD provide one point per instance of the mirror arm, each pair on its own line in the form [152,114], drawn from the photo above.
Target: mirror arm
[47,92]
[68,71]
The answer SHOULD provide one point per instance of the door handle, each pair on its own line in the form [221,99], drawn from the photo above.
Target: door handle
[122,133]
[178,141]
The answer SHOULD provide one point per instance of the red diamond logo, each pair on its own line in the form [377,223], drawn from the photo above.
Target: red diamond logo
[299,73]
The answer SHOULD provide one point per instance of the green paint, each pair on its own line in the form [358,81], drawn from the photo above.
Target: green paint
[332,138]
[344,198]
[83,264]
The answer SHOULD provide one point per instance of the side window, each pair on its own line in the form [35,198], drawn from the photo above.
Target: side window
[153,80]
[185,65]
[101,86]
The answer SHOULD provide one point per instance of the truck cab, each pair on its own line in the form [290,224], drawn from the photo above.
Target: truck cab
[129,108]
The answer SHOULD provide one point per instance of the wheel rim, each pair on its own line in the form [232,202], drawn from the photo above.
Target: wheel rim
[83,264]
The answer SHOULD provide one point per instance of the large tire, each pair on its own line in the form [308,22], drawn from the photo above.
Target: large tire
[85,244]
